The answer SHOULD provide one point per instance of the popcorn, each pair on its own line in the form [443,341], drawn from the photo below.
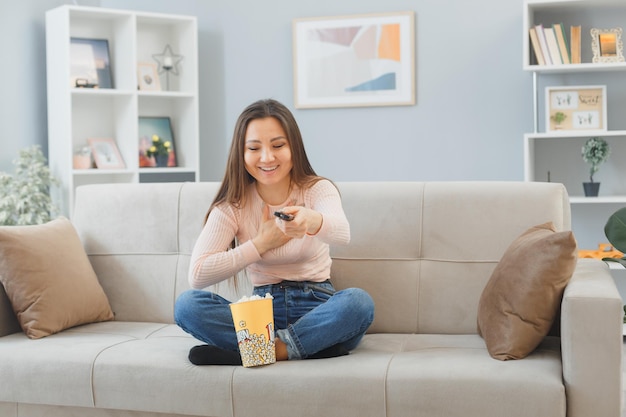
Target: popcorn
[254,297]
[254,326]
[257,350]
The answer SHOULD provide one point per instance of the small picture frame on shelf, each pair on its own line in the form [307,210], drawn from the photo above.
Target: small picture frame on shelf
[156,143]
[148,77]
[575,108]
[607,45]
[90,65]
[105,153]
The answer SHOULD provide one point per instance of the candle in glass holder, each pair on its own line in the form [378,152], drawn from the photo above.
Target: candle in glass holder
[82,158]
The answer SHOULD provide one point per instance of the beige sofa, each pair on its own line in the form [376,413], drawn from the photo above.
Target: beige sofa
[424,251]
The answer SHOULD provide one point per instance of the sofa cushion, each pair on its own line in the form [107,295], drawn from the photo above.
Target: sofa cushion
[48,278]
[521,299]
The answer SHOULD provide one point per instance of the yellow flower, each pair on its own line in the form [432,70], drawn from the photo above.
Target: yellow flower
[159,147]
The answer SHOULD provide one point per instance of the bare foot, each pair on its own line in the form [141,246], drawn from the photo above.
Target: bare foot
[281,350]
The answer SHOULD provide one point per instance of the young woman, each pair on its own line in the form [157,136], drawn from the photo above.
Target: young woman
[268,171]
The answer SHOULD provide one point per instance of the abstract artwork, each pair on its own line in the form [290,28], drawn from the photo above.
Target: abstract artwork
[364,60]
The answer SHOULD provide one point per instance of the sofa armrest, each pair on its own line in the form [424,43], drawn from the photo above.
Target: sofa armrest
[591,341]
[8,321]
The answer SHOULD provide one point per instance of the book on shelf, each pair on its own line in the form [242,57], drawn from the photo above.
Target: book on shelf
[543,43]
[534,40]
[553,46]
[561,39]
[575,44]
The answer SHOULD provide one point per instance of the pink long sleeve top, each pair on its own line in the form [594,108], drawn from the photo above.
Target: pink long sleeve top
[305,259]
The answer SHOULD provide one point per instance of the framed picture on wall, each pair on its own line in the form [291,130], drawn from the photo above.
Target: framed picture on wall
[352,61]
[105,153]
[90,63]
[576,108]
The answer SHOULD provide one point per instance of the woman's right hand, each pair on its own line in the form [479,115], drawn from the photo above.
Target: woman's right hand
[269,236]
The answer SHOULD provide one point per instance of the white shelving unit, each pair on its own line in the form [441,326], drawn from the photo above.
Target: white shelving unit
[556,156]
[76,114]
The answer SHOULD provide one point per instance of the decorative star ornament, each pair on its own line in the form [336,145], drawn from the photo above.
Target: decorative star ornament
[168,61]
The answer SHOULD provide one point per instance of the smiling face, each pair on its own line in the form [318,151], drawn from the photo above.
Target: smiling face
[267,157]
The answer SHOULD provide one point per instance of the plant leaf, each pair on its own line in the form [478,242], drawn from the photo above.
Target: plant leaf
[618,260]
[615,229]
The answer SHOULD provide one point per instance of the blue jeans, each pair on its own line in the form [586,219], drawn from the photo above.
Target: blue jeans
[307,321]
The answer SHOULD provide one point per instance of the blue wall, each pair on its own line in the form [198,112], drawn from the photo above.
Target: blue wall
[474,102]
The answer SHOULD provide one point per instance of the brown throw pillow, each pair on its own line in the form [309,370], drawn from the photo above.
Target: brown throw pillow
[48,278]
[523,295]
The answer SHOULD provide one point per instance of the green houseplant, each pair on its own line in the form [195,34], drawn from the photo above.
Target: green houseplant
[595,152]
[615,231]
[25,196]
[558,118]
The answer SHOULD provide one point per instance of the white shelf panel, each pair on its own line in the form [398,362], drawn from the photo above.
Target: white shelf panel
[618,199]
[573,68]
[101,172]
[166,94]
[571,4]
[101,92]
[576,134]
[178,170]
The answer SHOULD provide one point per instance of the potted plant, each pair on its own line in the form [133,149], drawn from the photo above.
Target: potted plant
[615,231]
[558,118]
[25,196]
[594,152]
[160,150]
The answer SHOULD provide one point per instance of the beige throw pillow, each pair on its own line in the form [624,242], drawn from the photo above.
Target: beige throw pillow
[48,278]
[523,295]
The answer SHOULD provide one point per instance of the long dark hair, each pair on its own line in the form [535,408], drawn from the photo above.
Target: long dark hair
[237,179]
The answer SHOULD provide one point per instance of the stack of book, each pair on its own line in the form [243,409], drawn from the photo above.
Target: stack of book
[551,46]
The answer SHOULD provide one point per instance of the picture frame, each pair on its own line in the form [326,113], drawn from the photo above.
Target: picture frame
[161,126]
[607,45]
[148,77]
[354,61]
[90,64]
[576,108]
[106,154]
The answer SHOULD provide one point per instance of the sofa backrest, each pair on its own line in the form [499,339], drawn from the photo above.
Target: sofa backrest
[139,239]
[424,251]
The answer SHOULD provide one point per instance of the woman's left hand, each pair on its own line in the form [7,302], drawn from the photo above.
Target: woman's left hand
[305,222]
